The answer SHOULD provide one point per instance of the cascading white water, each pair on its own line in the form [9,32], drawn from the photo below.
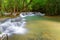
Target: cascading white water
[13,26]
[16,25]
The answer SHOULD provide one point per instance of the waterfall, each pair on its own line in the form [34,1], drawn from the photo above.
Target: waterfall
[13,26]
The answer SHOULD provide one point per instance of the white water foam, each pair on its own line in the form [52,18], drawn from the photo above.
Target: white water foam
[14,26]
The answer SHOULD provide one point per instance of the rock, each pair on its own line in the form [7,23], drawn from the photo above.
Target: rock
[39,14]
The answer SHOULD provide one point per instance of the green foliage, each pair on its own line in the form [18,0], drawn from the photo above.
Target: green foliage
[50,7]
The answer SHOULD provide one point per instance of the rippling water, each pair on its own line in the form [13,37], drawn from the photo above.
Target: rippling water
[13,26]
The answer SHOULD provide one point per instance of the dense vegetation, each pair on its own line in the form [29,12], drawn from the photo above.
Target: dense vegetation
[49,7]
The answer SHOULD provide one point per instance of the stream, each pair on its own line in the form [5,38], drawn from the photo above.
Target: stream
[14,25]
